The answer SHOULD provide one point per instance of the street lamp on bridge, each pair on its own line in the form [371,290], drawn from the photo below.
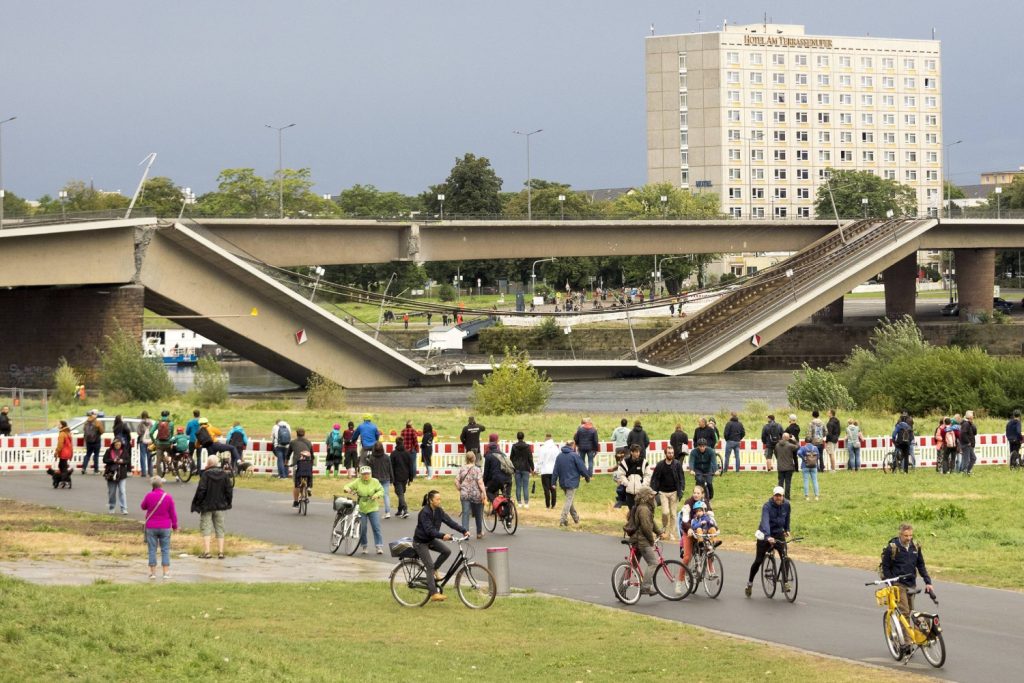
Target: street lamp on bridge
[529,179]
[280,168]
[2,192]
[949,185]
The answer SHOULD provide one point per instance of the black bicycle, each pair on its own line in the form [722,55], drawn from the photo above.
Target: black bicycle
[504,512]
[783,571]
[473,582]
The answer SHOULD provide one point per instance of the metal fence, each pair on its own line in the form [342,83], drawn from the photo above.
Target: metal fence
[28,409]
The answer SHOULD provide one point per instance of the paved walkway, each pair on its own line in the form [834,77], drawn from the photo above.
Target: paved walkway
[834,613]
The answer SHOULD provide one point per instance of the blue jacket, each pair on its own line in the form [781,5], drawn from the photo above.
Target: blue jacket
[586,439]
[191,429]
[569,468]
[901,425]
[1013,430]
[804,450]
[367,433]
[428,524]
[240,430]
[774,519]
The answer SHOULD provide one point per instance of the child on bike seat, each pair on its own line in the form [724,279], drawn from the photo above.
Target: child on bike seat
[180,442]
[702,522]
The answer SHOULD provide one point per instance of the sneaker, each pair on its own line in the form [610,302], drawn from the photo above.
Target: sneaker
[152,577]
[295,504]
[680,588]
[786,586]
[365,550]
[526,506]
[438,597]
[815,498]
[111,511]
[124,512]
[806,498]
[563,523]
[747,590]
[648,591]
[380,550]
[438,575]
[387,515]
[167,576]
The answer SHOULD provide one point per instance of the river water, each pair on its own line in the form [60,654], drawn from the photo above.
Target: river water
[692,393]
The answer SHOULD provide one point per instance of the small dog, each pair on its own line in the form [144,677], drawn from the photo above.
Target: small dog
[60,479]
[243,468]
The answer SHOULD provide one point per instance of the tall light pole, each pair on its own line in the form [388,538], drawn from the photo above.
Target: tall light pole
[533,274]
[949,186]
[319,270]
[561,205]
[864,203]
[999,195]
[280,169]
[529,178]
[2,192]
[440,199]
[664,206]
[63,196]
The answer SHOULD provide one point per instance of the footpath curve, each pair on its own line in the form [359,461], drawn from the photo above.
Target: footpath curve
[834,613]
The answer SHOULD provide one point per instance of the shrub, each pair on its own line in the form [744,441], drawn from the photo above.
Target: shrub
[548,330]
[755,410]
[65,382]
[514,387]
[815,389]
[446,292]
[324,394]
[210,384]
[126,373]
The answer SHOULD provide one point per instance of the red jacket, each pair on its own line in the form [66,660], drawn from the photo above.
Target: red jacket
[409,439]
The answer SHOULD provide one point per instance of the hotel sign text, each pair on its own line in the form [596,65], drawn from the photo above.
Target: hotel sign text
[783,41]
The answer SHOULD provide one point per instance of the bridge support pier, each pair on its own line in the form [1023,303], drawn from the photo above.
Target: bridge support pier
[40,325]
[975,280]
[901,288]
[833,313]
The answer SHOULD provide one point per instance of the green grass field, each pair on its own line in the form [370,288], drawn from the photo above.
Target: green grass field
[356,632]
[969,527]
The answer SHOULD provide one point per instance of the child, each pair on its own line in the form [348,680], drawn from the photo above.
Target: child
[619,476]
[702,523]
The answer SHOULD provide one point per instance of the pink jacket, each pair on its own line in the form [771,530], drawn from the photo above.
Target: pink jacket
[164,516]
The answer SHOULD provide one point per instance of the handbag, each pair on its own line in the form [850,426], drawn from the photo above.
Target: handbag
[150,515]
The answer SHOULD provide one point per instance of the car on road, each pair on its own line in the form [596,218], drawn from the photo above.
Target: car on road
[952,308]
[77,424]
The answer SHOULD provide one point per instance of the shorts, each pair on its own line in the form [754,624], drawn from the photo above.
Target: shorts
[213,520]
[769,452]
[307,477]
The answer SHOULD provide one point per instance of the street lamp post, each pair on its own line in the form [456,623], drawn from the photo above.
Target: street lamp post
[440,198]
[561,205]
[949,186]
[187,198]
[664,206]
[864,203]
[63,196]
[999,194]
[319,274]
[533,274]
[280,168]
[3,193]
[529,178]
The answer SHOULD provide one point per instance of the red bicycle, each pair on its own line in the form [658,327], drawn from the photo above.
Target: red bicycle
[672,580]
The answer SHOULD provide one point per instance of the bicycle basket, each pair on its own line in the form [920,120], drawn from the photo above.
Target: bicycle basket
[402,548]
[882,596]
[343,504]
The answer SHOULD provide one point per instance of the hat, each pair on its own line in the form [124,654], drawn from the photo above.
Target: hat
[493,438]
[778,491]
[204,421]
[337,426]
[365,469]
[699,505]
[367,416]
[702,442]
[92,412]
[181,430]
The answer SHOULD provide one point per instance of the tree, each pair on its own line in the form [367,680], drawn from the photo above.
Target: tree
[849,187]
[82,197]
[1013,196]
[951,191]
[367,200]
[472,188]
[162,196]
[15,206]
[545,202]
[645,202]
[240,192]
[514,387]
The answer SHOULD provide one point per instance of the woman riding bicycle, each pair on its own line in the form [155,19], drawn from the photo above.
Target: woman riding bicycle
[643,532]
[683,522]
[428,536]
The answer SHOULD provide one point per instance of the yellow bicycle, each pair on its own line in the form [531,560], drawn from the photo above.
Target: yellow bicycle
[922,629]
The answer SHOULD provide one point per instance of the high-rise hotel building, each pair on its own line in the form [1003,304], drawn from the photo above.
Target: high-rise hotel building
[757,113]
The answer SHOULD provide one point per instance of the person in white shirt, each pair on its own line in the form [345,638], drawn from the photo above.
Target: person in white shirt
[619,436]
[280,440]
[545,461]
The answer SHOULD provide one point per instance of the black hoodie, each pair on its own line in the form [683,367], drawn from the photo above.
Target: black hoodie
[639,437]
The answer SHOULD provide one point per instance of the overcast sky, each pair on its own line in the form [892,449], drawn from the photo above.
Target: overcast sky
[391,92]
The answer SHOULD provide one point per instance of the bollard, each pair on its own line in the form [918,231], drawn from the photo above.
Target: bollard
[497,562]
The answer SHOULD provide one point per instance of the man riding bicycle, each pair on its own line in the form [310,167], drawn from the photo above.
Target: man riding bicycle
[301,451]
[903,557]
[643,532]
[774,527]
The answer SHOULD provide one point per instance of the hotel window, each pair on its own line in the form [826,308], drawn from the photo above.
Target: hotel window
[757,193]
[757,174]
[800,79]
[910,119]
[846,137]
[732,57]
[910,176]
[684,119]
[756,58]
[867,100]
[803,193]
[910,138]
[684,178]
[867,156]
[756,97]
[800,60]
[734,115]
[780,193]
[802,136]
[757,155]
[888,82]
[780,212]
[931,157]
[734,174]
[932,175]
[732,77]
[779,78]
[846,98]
[845,81]
[910,83]
[801,116]
[735,193]
[682,81]
[733,96]
[824,136]
[684,157]
[889,174]
[757,212]
[780,155]
[911,157]
[909,63]
[824,98]
[889,100]
[682,61]
[779,116]
[824,117]
[867,62]
[890,157]
[930,64]
[909,101]
[867,137]
[823,80]
[888,63]
[736,212]
[803,155]
[779,135]
[734,135]
[682,100]
[867,119]
[931,138]
[800,98]
[846,155]
[931,101]
[933,193]
[824,174]
[930,83]
[803,174]
[822,60]
[846,118]
[756,116]
[803,212]
[845,61]
[824,155]
[734,155]
[757,135]
[779,97]
[684,138]
[779,58]
[780,174]
[889,119]
[931,120]
[756,78]
[867,81]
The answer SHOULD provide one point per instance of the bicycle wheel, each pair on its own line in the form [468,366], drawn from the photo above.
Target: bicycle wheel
[789,579]
[694,567]
[337,532]
[769,577]
[185,468]
[409,583]
[719,466]
[350,539]
[304,503]
[476,586]
[892,641]
[626,583]
[163,468]
[887,462]
[713,576]
[491,520]
[935,650]
[666,579]
[510,520]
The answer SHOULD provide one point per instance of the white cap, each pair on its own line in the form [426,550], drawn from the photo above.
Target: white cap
[778,491]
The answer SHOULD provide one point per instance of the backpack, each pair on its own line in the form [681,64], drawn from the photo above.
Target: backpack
[817,432]
[949,439]
[284,435]
[334,444]
[631,526]
[774,433]
[90,431]
[903,436]
[163,431]
[203,436]
[505,463]
[810,459]
[237,440]
[892,549]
